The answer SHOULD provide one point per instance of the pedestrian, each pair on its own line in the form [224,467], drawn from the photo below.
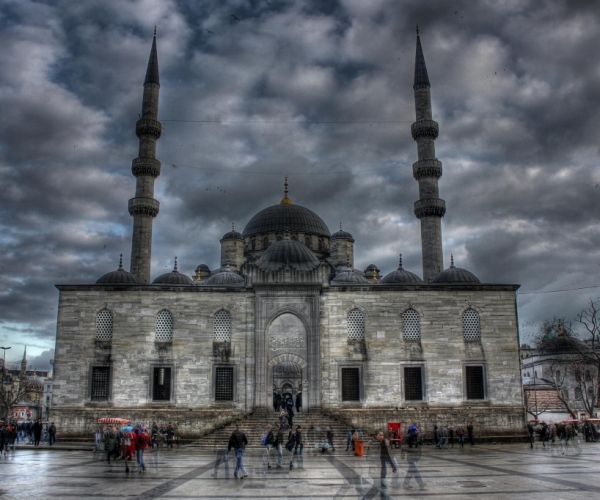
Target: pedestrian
[3,440]
[460,434]
[544,433]
[413,435]
[170,434]
[298,401]
[381,469]
[552,430]
[142,442]
[278,402]
[451,435]
[278,445]
[330,437]
[298,445]
[37,431]
[282,418]
[444,437]
[153,433]
[111,443]
[238,442]
[52,434]
[436,436]
[355,438]
[470,433]
[290,415]
[531,431]
[412,457]
[349,441]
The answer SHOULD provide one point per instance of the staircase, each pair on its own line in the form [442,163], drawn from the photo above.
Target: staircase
[254,426]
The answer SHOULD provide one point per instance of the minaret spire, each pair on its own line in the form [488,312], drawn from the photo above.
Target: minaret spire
[24,362]
[146,168]
[427,170]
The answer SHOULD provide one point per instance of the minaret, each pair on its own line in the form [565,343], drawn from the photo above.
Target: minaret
[24,363]
[429,209]
[145,169]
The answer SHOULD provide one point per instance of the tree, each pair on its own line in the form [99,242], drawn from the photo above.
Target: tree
[12,391]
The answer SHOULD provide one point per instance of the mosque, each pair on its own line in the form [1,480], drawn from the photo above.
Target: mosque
[286,315]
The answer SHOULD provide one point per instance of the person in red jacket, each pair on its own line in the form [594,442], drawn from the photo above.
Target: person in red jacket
[143,440]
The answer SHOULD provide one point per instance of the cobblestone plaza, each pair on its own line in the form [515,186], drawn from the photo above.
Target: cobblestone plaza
[482,471]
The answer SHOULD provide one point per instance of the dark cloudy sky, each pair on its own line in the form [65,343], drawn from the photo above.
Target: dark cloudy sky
[321,91]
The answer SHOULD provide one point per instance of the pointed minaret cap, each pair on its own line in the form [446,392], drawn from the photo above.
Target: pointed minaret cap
[286,200]
[421,76]
[152,71]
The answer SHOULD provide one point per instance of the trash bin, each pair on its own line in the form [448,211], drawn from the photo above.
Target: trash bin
[359,447]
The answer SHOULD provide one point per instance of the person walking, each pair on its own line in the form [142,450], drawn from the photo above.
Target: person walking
[413,435]
[170,434]
[278,445]
[470,433]
[141,443]
[444,437]
[282,418]
[111,443]
[412,457]
[436,436]
[3,440]
[451,435]
[330,437]
[544,433]
[531,431]
[460,434]
[298,401]
[52,434]
[298,445]
[290,415]
[153,433]
[37,431]
[238,442]
[349,441]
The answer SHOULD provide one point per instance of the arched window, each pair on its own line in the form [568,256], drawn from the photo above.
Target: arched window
[223,326]
[356,324]
[104,325]
[321,245]
[307,241]
[411,325]
[471,327]
[265,243]
[164,326]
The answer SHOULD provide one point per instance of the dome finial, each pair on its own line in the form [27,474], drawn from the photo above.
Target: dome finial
[121,262]
[451,260]
[417,30]
[232,226]
[175,268]
[400,263]
[155,30]
[286,200]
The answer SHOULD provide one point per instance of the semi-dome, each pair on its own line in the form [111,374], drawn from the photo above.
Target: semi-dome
[400,276]
[226,277]
[118,277]
[455,275]
[342,235]
[232,235]
[173,278]
[286,217]
[287,251]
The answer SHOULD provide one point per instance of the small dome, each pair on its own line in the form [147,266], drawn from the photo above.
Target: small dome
[118,277]
[34,381]
[289,252]
[173,278]
[455,275]
[232,235]
[226,277]
[400,276]
[202,267]
[342,235]
[371,267]
[346,276]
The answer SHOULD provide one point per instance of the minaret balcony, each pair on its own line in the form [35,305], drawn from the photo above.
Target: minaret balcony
[425,128]
[148,127]
[145,166]
[427,168]
[143,206]
[429,207]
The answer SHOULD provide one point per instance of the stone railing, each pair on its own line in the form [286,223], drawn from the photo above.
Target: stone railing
[427,168]
[430,207]
[143,206]
[145,166]
[424,128]
[146,126]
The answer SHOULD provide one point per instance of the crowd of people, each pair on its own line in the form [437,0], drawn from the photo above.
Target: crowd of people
[127,443]
[28,432]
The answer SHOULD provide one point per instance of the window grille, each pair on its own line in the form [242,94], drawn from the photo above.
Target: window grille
[411,325]
[104,325]
[475,382]
[471,327]
[350,384]
[224,383]
[356,324]
[413,383]
[100,383]
[164,326]
[161,389]
[223,326]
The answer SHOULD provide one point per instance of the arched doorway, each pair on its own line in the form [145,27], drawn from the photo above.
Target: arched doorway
[287,384]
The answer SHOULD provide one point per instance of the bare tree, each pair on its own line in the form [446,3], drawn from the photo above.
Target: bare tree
[533,406]
[12,393]
[558,372]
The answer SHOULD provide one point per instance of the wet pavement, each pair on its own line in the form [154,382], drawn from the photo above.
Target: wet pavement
[482,471]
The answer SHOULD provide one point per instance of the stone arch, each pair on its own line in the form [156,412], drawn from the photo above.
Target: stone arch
[288,310]
[227,307]
[408,306]
[288,357]
[469,306]
[356,306]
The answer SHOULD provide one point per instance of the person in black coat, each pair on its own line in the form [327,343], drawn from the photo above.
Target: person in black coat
[37,432]
[298,402]
[470,432]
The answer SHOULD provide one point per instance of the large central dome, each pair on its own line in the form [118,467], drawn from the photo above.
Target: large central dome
[293,218]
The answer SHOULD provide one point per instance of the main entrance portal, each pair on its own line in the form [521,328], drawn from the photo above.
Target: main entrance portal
[287,385]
